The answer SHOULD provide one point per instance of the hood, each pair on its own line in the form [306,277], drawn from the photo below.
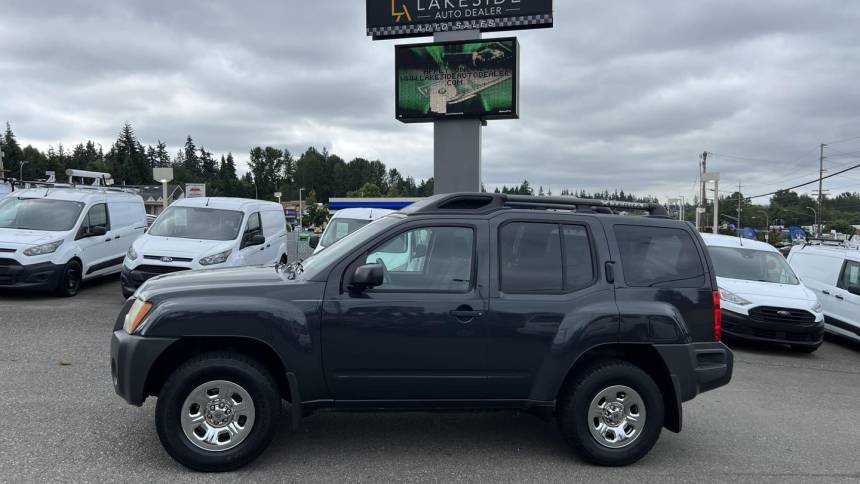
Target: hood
[768,292]
[26,238]
[246,277]
[173,246]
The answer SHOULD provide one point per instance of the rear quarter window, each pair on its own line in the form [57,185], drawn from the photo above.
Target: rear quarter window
[659,257]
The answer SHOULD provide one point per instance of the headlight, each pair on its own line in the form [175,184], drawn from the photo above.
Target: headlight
[136,315]
[44,248]
[216,259]
[817,308]
[733,298]
[131,254]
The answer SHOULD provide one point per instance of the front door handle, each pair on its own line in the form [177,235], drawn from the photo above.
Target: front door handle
[825,292]
[840,298]
[466,315]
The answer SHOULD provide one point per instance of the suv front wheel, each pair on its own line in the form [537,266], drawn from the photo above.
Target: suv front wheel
[612,413]
[217,412]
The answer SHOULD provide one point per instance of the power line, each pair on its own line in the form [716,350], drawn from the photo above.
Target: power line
[805,184]
[842,140]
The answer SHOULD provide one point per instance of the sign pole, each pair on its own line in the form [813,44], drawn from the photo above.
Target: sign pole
[457,143]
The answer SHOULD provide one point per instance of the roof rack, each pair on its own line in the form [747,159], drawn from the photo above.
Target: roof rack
[482,203]
[832,243]
[101,182]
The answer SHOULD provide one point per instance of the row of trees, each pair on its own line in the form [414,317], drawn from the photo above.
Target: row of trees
[270,169]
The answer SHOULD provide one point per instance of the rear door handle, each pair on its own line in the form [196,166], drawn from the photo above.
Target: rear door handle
[466,314]
[840,298]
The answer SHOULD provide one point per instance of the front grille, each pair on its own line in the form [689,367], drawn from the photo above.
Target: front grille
[8,263]
[766,314]
[158,270]
[173,259]
[7,251]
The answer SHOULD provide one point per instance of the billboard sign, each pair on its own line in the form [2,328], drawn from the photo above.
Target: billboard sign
[388,19]
[456,80]
[195,190]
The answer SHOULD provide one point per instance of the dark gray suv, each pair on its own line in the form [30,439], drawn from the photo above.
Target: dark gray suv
[557,306]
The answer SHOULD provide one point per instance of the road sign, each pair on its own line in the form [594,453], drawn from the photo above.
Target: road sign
[388,19]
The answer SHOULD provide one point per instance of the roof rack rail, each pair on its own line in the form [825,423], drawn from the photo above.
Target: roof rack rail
[482,203]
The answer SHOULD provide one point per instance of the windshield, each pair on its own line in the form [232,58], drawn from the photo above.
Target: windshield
[751,265]
[319,261]
[339,228]
[198,223]
[39,214]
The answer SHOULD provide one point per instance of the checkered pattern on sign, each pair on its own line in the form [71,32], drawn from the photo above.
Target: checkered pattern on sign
[428,28]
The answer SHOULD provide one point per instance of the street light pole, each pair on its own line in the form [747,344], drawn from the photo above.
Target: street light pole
[21,167]
[817,227]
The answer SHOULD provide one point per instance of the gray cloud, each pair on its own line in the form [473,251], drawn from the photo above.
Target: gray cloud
[621,95]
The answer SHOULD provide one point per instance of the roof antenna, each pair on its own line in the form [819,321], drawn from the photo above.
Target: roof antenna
[207,201]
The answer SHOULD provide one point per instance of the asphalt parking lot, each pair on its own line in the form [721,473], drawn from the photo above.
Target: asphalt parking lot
[784,417]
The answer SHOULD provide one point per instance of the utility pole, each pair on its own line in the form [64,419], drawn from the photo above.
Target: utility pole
[819,219]
[700,210]
[740,199]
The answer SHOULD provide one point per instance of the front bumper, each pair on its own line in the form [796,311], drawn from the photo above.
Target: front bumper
[697,367]
[36,276]
[131,279]
[742,326]
[131,359]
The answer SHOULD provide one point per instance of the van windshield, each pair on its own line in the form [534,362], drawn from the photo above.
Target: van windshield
[198,223]
[751,265]
[339,228]
[39,214]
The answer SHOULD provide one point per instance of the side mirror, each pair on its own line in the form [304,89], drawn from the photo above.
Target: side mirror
[314,241]
[854,289]
[366,277]
[256,239]
[97,231]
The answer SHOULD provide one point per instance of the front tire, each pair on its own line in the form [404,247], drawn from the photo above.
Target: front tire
[612,413]
[70,280]
[217,412]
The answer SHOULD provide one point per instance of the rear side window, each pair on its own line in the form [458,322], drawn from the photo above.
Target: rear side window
[125,214]
[544,258]
[658,256]
[850,275]
[274,222]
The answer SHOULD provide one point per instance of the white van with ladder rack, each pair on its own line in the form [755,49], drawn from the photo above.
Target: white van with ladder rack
[54,235]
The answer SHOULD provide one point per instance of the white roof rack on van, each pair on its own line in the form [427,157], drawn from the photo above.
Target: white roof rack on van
[91,180]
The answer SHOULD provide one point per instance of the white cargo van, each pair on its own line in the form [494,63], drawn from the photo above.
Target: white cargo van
[345,222]
[761,297]
[207,233]
[833,272]
[54,237]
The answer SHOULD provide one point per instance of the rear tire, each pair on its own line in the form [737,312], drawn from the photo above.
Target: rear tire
[234,421]
[611,413]
[70,280]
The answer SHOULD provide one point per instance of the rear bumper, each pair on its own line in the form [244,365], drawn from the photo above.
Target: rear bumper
[697,367]
[36,276]
[131,359]
[742,326]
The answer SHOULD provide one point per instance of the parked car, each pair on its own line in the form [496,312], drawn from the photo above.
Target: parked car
[54,238]
[608,322]
[345,222]
[833,272]
[205,233]
[762,299]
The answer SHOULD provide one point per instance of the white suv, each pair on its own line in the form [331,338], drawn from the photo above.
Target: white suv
[54,237]
[833,272]
[762,299]
[207,233]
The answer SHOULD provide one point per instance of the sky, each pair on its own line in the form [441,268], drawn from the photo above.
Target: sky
[618,95]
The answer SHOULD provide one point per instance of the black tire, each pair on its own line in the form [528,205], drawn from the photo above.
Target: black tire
[284,259]
[573,412]
[805,348]
[232,367]
[70,280]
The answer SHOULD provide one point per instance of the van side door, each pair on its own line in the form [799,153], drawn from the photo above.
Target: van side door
[846,297]
[128,222]
[94,239]
[253,253]
[275,231]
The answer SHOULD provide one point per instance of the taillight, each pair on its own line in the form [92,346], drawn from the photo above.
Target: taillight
[718,317]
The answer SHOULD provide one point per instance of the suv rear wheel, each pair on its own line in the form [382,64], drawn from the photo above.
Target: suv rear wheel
[217,412]
[612,413]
